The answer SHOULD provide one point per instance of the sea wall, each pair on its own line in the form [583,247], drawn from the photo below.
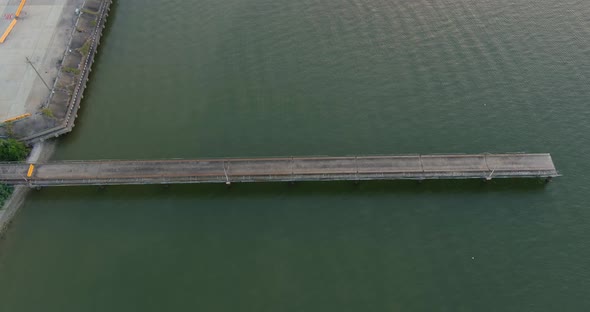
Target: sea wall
[41,152]
[11,206]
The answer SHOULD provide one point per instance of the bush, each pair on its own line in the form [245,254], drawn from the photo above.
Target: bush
[47,112]
[12,150]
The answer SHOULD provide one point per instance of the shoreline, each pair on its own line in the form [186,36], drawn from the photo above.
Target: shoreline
[40,152]
[58,111]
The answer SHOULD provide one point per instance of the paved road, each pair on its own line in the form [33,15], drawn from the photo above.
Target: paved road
[279,169]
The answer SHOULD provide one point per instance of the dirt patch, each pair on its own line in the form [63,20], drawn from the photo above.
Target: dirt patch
[72,60]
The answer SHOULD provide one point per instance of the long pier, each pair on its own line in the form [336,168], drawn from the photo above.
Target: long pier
[291,169]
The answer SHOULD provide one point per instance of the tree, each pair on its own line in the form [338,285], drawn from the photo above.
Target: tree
[12,150]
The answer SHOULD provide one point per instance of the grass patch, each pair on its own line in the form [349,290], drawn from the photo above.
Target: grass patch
[85,48]
[47,112]
[88,11]
[71,70]
[8,128]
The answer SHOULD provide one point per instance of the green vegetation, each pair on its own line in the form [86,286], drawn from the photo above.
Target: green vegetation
[93,23]
[12,150]
[47,112]
[5,192]
[88,11]
[71,70]
[85,48]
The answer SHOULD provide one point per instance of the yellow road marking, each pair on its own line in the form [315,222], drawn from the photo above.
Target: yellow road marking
[31,169]
[20,7]
[8,30]
[18,117]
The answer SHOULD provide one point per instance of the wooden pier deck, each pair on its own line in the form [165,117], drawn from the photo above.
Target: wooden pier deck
[230,170]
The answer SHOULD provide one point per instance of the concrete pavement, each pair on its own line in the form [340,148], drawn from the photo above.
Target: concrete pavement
[42,32]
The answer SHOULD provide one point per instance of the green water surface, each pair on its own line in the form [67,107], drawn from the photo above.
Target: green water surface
[214,78]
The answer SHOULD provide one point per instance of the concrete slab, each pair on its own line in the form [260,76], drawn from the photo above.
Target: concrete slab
[452,163]
[392,164]
[520,162]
